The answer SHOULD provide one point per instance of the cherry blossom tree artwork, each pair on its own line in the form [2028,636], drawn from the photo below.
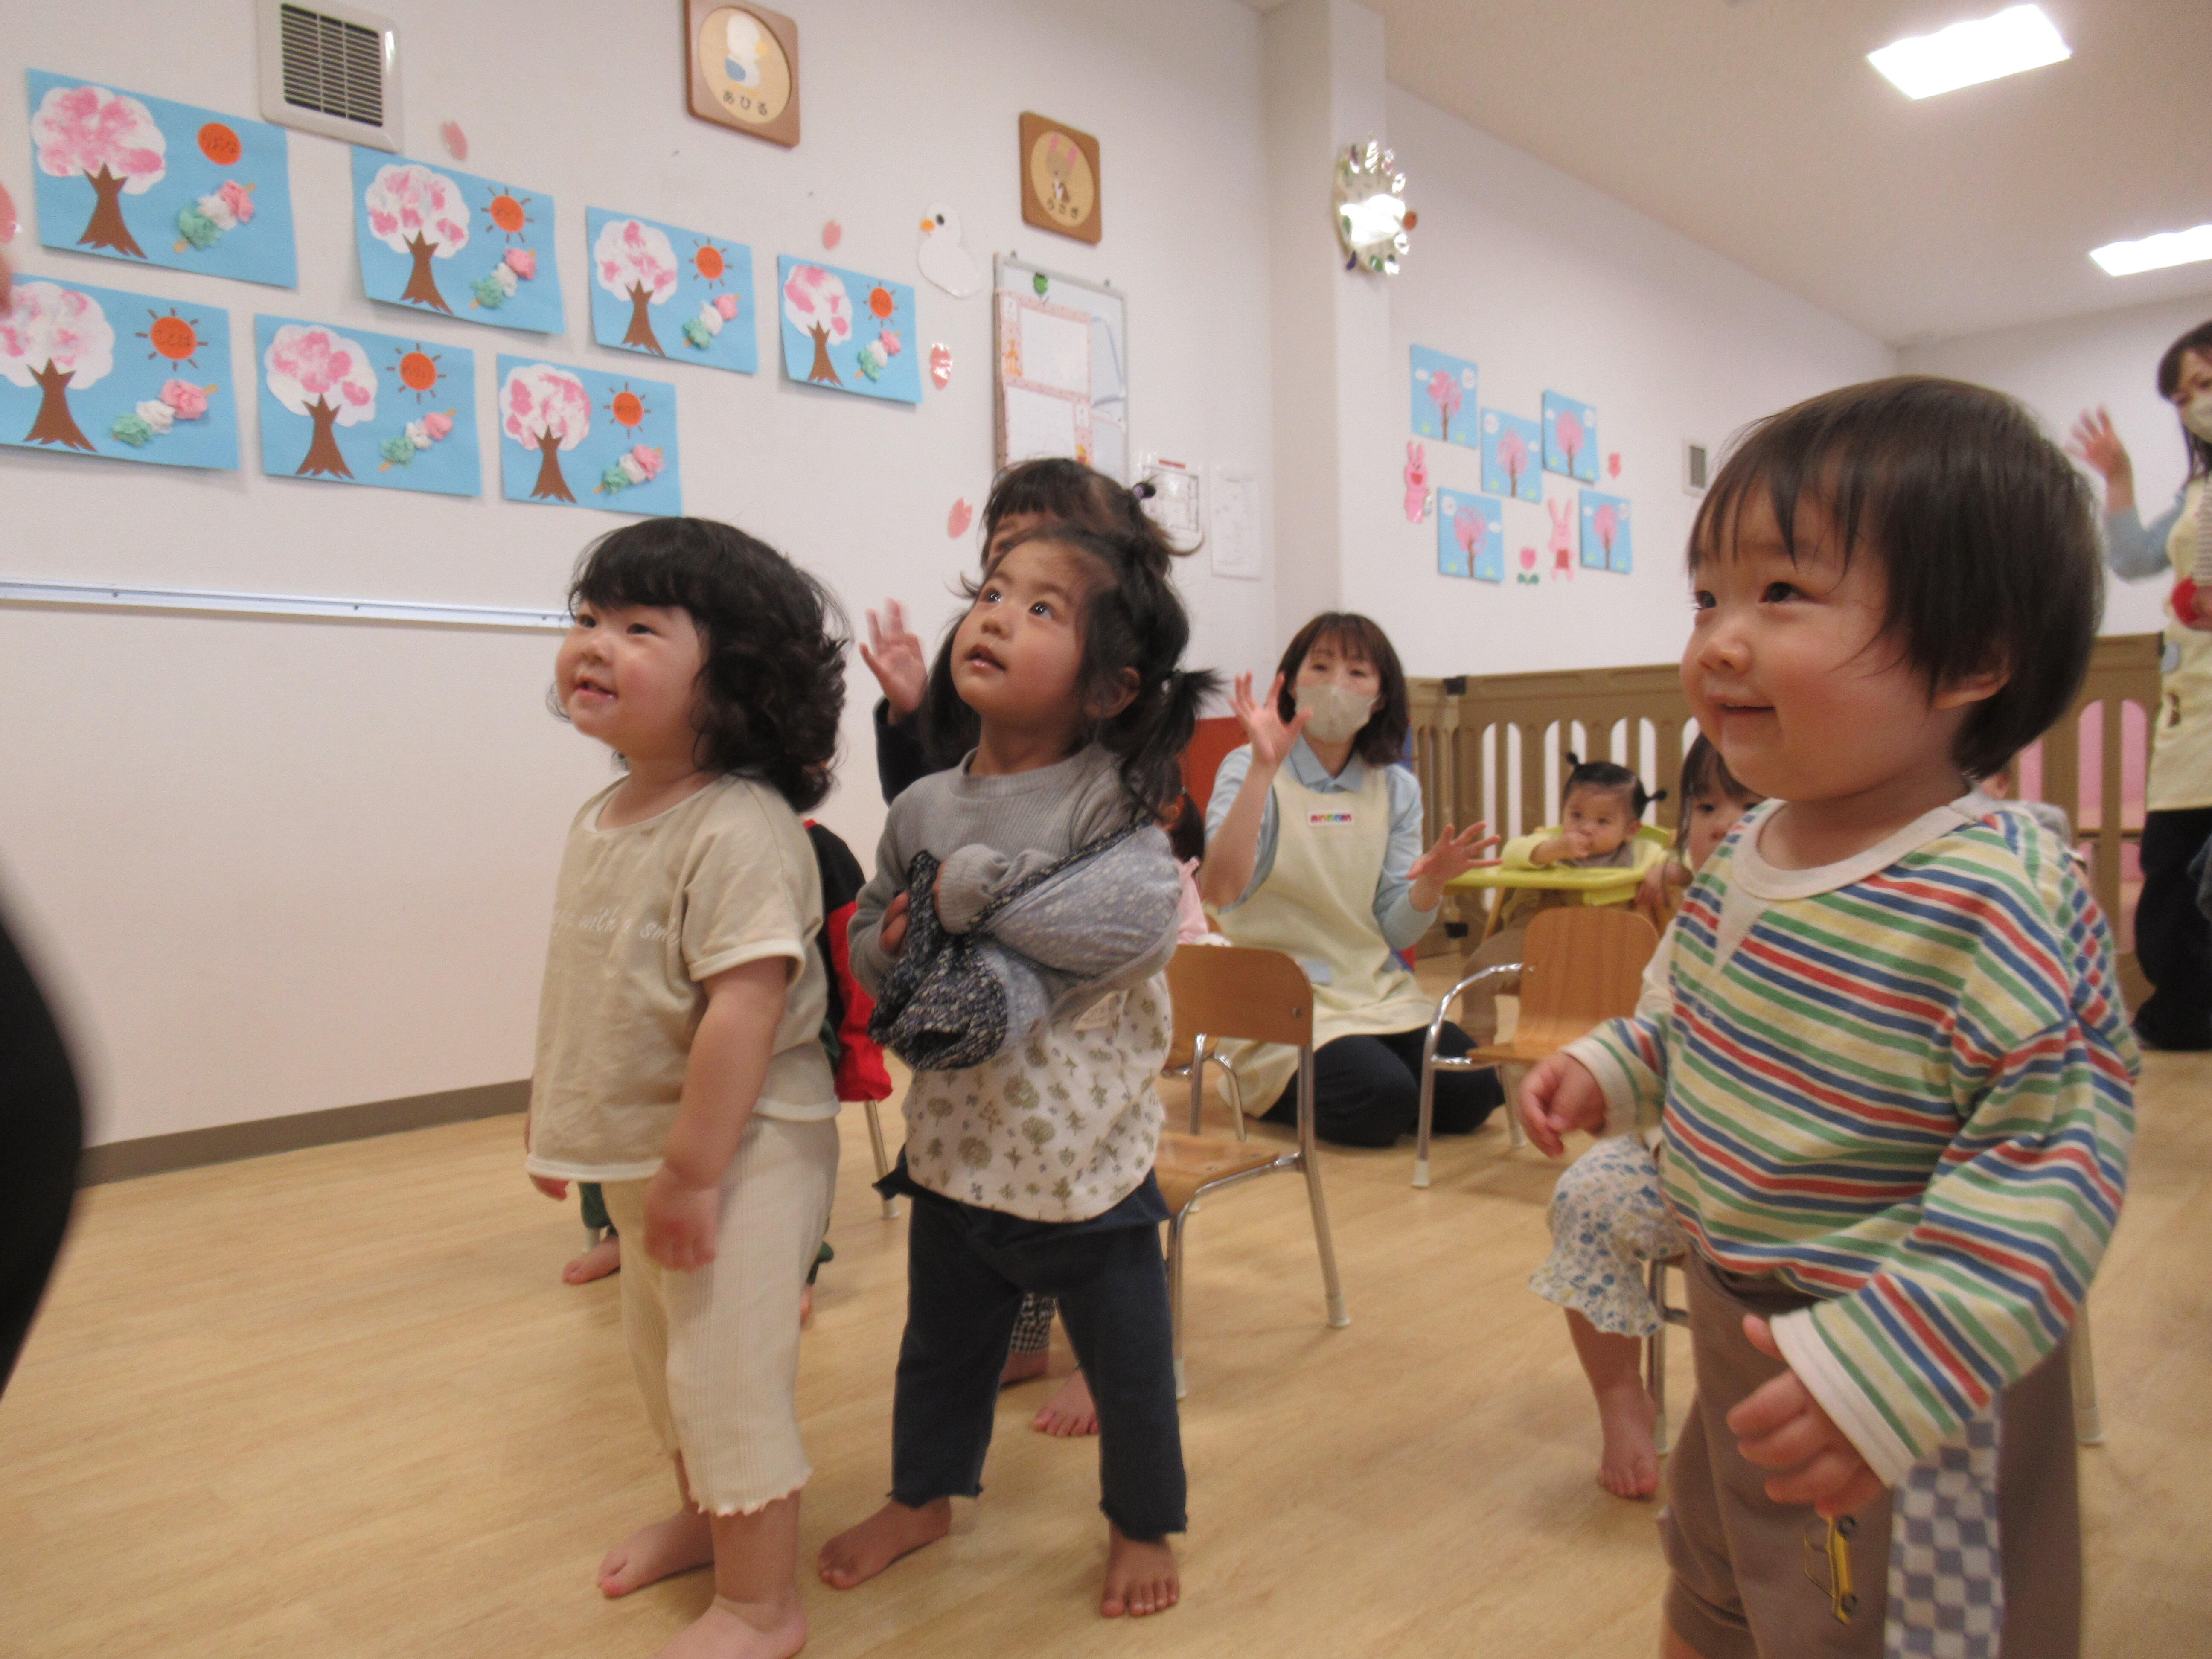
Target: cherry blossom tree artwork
[317,372]
[130,177]
[53,338]
[1443,386]
[599,439]
[1606,540]
[828,342]
[1570,438]
[666,292]
[417,211]
[816,304]
[635,262]
[1510,460]
[1470,537]
[451,242]
[347,406]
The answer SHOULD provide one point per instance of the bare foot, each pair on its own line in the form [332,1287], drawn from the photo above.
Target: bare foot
[859,1553]
[1069,1413]
[602,1258]
[1630,1467]
[741,1630]
[682,1542]
[1020,1367]
[1140,1577]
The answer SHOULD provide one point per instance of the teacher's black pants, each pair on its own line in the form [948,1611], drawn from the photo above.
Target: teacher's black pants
[2173,940]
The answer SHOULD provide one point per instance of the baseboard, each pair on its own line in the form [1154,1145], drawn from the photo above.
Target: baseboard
[226,1143]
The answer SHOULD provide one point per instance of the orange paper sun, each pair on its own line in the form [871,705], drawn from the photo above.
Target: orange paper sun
[627,409]
[219,144]
[418,371]
[508,213]
[173,336]
[708,262]
[881,302]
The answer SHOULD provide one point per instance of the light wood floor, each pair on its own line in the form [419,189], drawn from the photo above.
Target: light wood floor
[336,1403]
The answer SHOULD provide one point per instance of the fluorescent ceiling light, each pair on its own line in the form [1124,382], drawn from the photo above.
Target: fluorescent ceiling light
[2171,247]
[1965,54]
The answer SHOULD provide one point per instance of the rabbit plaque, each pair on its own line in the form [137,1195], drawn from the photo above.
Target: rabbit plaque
[1060,179]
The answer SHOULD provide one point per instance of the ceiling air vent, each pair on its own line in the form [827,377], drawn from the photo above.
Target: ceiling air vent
[1696,459]
[331,70]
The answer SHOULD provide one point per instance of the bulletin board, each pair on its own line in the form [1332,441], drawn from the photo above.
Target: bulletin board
[1061,348]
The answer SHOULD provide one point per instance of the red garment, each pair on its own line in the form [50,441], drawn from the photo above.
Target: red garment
[858,1063]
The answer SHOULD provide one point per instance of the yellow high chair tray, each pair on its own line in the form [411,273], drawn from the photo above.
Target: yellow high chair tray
[1583,887]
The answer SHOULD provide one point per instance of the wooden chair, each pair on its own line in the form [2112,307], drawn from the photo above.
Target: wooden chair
[1581,966]
[1250,996]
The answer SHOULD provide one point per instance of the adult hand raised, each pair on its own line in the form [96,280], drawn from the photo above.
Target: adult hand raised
[1271,738]
[2094,440]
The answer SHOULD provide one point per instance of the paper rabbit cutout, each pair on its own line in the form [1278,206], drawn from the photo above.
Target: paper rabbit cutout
[1563,537]
[1417,482]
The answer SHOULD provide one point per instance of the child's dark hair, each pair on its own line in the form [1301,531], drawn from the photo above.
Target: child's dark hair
[1704,773]
[1382,739]
[1064,492]
[2198,340]
[1185,828]
[772,680]
[1983,530]
[1133,625]
[1614,780]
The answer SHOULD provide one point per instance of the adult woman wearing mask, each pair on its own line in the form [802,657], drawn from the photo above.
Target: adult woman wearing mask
[2173,940]
[1314,849]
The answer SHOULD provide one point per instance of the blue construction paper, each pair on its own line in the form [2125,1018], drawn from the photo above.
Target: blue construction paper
[467,226]
[1607,542]
[370,386]
[1570,438]
[867,343]
[619,412]
[1512,456]
[657,290]
[1470,535]
[76,362]
[1443,397]
[176,153]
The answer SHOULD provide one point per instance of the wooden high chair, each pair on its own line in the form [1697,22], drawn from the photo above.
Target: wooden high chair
[1252,996]
[1582,967]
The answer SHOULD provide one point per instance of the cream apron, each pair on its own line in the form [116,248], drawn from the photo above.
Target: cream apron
[2181,748]
[1317,905]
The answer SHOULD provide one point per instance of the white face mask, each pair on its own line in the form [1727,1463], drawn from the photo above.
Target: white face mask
[2198,417]
[1335,713]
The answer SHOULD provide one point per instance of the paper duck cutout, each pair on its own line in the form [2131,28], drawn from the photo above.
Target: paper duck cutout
[943,260]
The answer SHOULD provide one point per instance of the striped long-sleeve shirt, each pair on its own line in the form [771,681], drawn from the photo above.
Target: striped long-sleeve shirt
[1903,1084]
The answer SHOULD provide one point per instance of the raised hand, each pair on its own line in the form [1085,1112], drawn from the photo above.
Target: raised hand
[1456,854]
[893,653]
[2093,440]
[1270,737]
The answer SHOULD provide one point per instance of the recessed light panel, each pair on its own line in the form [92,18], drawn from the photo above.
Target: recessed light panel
[1965,54]
[2171,247]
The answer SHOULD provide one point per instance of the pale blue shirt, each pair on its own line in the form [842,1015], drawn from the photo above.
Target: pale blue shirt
[2136,551]
[1402,924]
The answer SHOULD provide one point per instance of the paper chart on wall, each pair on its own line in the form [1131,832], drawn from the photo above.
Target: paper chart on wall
[444,240]
[97,371]
[152,182]
[678,294]
[1044,381]
[578,437]
[350,406]
[1103,313]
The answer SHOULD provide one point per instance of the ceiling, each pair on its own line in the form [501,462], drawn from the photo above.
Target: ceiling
[1758,129]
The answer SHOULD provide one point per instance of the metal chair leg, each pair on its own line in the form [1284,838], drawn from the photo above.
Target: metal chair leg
[2088,1422]
[1428,1104]
[1198,1083]
[1235,1097]
[1515,1137]
[882,1158]
[1654,1357]
[1309,1166]
[1175,1292]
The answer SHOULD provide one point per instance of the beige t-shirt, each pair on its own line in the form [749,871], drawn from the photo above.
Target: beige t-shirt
[642,914]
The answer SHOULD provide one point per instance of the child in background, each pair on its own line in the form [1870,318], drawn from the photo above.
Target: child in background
[679,1060]
[1897,1078]
[603,1255]
[1028,1158]
[1608,1218]
[922,727]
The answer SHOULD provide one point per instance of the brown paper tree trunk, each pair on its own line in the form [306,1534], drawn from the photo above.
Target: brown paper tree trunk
[422,286]
[322,454]
[822,370]
[106,227]
[641,324]
[55,424]
[551,485]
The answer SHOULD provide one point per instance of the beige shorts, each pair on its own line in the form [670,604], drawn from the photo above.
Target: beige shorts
[1749,1578]
[716,1350]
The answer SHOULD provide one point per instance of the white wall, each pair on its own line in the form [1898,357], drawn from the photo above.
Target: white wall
[2059,370]
[1550,285]
[280,866]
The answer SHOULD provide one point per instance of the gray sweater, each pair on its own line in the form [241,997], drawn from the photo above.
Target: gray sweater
[1062,1123]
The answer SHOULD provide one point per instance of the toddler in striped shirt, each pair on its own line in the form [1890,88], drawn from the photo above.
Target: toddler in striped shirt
[1896,1078]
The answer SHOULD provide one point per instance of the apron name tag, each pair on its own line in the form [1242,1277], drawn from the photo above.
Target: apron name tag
[1338,820]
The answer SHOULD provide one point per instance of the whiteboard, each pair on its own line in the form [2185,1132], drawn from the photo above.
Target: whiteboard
[1050,358]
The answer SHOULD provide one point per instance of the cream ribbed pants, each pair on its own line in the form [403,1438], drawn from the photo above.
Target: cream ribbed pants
[716,1350]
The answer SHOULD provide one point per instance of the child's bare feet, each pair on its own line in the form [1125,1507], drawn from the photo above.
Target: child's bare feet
[682,1542]
[602,1258]
[1069,1413]
[1140,1577]
[859,1553]
[1020,1367]
[742,1630]
[1629,1466]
